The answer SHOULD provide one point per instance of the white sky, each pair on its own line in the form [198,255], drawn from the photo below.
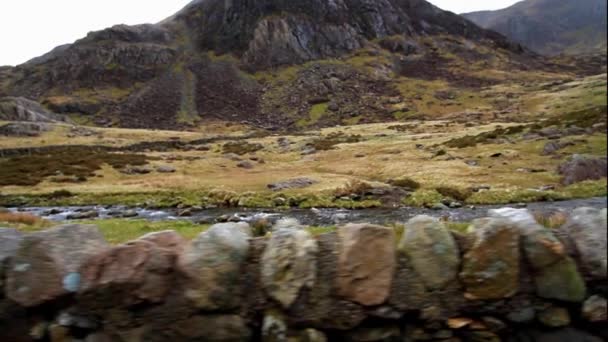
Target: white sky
[30,28]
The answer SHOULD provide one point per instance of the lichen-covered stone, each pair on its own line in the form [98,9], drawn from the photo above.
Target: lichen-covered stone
[588,229]
[366,263]
[212,264]
[432,251]
[131,273]
[556,275]
[490,269]
[595,309]
[289,264]
[47,263]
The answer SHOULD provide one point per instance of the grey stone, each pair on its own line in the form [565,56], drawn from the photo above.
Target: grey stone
[165,169]
[588,229]
[47,263]
[431,250]
[490,269]
[296,183]
[289,265]
[595,309]
[212,264]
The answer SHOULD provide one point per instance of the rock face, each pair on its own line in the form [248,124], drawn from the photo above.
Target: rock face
[47,263]
[289,264]
[431,250]
[213,264]
[9,244]
[491,267]
[580,168]
[550,29]
[197,62]
[22,109]
[366,263]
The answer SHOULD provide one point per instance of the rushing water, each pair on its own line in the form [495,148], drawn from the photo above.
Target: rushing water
[318,217]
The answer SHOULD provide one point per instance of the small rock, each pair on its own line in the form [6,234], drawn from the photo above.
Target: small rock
[165,169]
[522,315]
[459,322]
[83,215]
[440,206]
[472,162]
[595,309]
[554,317]
[245,165]
[296,183]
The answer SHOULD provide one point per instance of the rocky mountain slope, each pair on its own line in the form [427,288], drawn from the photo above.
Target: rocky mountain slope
[550,26]
[274,64]
[213,60]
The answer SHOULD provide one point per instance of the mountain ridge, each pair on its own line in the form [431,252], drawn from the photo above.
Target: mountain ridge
[249,62]
[550,27]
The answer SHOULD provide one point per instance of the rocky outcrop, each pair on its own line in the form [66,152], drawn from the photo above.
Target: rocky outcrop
[199,63]
[22,109]
[580,168]
[515,281]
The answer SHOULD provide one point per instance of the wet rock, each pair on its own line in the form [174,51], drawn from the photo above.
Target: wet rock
[580,168]
[135,272]
[166,169]
[296,183]
[431,250]
[47,263]
[311,335]
[75,319]
[366,263]
[168,239]
[491,268]
[587,228]
[83,215]
[595,309]
[554,317]
[289,265]
[212,262]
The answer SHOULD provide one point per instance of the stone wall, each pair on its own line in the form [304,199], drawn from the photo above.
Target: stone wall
[507,279]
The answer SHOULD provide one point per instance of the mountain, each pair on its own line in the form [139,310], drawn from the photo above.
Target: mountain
[273,64]
[550,27]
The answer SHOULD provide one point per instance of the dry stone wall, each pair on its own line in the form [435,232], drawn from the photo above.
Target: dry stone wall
[507,279]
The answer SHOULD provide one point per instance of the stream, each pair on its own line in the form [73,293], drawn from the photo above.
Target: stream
[313,217]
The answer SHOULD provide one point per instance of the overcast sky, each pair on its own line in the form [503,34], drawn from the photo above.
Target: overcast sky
[30,28]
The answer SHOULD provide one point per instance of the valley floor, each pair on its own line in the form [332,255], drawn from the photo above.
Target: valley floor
[453,160]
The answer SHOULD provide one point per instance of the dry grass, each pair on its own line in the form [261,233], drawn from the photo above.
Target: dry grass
[20,219]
